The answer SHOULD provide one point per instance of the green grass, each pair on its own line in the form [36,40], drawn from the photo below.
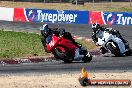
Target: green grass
[20,44]
[17,44]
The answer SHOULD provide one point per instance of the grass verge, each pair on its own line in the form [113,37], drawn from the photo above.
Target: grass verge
[22,44]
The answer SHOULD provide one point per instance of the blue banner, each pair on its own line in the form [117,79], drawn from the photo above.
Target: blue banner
[57,16]
[117,18]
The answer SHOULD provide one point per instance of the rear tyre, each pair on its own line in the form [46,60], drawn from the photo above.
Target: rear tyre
[114,50]
[65,56]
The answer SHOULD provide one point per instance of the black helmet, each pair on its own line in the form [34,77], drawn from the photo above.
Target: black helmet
[95,26]
[45,30]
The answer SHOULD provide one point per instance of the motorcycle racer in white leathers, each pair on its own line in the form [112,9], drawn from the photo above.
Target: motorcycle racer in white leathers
[101,31]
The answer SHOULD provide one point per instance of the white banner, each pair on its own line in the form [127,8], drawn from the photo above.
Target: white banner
[6,14]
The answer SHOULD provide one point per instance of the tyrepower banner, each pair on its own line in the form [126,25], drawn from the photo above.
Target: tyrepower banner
[53,16]
[110,18]
[72,16]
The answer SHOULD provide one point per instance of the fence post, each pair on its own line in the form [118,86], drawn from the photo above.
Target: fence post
[93,3]
[111,2]
[130,3]
[76,2]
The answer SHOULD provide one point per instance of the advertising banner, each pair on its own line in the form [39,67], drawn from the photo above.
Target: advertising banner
[118,18]
[56,16]
[68,16]
[110,18]
[6,14]
[96,17]
[19,15]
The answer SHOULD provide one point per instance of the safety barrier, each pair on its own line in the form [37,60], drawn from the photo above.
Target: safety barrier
[53,16]
[65,16]
[6,14]
[110,18]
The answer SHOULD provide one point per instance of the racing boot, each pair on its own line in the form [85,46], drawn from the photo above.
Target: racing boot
[128,50]
[128,53]
[127,46]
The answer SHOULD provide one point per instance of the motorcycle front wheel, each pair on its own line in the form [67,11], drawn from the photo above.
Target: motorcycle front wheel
[114,50]
[65,56]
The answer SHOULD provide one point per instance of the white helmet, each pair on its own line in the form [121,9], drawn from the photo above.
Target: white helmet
[45,26]
[45,30]
[95,26]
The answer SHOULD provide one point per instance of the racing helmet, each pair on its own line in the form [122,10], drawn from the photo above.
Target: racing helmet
[95,26]
[45,30]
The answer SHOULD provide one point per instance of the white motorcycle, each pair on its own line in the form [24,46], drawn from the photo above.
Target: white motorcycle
[111,43]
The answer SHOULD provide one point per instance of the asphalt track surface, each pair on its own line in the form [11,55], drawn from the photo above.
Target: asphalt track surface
[98,64]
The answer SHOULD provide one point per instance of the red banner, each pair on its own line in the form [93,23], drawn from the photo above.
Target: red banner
[19,15]
[95,17]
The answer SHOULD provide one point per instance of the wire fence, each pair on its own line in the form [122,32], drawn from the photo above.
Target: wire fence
[74,1]
[68,0]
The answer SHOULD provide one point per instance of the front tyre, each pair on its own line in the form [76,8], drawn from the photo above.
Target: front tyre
[65,56]
[114,50]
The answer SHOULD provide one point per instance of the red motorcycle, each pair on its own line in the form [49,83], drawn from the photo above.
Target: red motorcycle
[64,49]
